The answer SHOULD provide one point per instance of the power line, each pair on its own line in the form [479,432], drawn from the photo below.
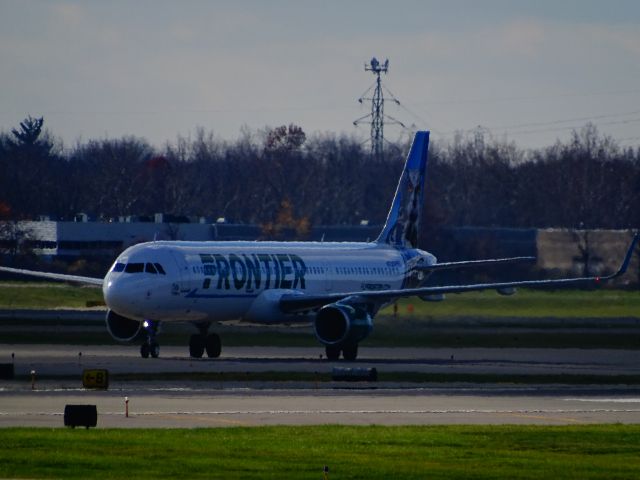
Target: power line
[524,97]
[517,129]
[571,127]
[557,122]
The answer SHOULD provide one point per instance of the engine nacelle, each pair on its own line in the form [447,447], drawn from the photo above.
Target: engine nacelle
[337,323]
[506,291]
[122,328]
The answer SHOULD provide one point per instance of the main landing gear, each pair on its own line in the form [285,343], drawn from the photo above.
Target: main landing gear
[204,341]
[150,345]
[349,352]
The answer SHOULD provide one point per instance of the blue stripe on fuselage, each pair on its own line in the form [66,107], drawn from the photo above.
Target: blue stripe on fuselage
[193,294]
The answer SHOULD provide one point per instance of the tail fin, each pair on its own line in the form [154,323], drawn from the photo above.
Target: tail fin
[403,221]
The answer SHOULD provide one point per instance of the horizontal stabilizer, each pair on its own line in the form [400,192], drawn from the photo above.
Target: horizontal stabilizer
[473,263]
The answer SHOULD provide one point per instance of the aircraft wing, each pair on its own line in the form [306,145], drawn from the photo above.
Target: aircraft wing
[54,276]
[472,263]
[294,303]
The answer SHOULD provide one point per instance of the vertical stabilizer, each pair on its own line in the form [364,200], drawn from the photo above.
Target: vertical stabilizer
[403,221]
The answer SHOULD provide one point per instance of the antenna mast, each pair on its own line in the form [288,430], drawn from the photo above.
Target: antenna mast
[376,117]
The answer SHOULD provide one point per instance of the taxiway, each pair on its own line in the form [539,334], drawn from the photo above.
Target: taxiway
[192,403]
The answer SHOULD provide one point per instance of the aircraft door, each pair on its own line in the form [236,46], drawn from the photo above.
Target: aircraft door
[181,283]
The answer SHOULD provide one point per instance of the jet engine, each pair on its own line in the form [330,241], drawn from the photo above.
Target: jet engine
[338,323]
[122,328]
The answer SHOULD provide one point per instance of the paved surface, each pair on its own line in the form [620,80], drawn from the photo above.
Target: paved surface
[198,406]
[205,403]
[72,359]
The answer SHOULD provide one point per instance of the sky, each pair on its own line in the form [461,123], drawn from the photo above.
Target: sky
[524,71]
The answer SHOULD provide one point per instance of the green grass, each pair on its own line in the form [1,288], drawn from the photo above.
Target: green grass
[372,452]
[47,295]
[528,304]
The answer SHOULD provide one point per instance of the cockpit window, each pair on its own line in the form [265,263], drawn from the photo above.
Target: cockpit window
[149,268]
[153,268]
[134,268]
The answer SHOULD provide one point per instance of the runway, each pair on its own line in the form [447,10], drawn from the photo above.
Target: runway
[192,403]
[72,359]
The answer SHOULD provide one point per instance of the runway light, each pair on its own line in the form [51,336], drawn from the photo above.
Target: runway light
[145,324]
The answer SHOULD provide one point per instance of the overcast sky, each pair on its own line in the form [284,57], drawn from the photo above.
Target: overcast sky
[527,70]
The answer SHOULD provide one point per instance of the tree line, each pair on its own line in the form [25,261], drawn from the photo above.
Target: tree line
[282,174]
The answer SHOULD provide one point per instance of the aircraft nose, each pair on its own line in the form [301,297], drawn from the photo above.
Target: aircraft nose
[115,294]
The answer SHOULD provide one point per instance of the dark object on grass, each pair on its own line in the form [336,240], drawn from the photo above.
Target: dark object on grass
[6,371]
[80,416]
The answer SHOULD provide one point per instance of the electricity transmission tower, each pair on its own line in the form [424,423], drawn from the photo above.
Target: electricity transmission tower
[377,116]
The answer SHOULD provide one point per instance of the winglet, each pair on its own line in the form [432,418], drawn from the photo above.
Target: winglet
[627,258]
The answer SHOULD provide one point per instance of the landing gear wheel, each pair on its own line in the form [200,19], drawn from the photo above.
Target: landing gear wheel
[333,352]
[213,346]
[196,346]
[350,352]
[150,346]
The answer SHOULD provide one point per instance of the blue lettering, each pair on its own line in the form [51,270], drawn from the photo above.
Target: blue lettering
[223,271]
[284,269]
[253,271]
[238,271]
[299,269]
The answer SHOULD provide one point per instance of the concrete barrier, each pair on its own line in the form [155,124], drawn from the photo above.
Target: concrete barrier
[342,374]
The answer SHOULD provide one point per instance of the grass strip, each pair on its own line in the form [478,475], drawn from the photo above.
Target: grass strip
[601,303]
[47,295]
[350,452]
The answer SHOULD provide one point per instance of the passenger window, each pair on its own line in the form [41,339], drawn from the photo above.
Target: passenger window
[149,268]
[206,283]
[134,268]
[118,267]
[159,268]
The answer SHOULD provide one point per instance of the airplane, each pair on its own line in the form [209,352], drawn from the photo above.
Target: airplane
[338,287]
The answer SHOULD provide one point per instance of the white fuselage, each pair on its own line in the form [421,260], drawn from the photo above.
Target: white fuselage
[218,281]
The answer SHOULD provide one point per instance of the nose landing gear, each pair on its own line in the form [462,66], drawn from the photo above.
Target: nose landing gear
[150,345]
